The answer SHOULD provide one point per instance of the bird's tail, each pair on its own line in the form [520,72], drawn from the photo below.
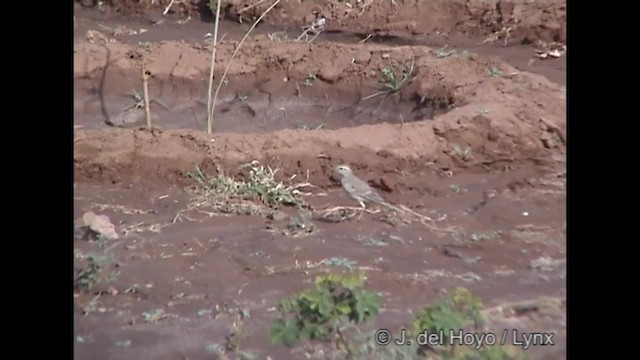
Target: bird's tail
[394,208]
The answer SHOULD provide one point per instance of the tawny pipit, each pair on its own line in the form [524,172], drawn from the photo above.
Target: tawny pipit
[359,190]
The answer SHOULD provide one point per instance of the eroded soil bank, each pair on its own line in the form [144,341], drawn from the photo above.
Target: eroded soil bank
[455,112]
[519,21]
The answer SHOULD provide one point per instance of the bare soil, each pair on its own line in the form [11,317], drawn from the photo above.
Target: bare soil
[487,116]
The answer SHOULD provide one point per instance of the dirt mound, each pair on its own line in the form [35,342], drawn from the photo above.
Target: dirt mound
[499,114]
[519,21]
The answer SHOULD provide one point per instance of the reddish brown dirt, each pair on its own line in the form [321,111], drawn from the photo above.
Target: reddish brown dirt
[508,129]
[527,20]
[516,116]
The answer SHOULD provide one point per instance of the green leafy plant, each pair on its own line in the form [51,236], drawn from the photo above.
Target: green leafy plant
[494,72]
[97,269]
[336,302]
[449,313]
[139,102]
[94,273]
[452,313]
[393,80]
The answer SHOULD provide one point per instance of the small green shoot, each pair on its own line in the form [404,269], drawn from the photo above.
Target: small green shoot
[465,154]
[154,316]
[308,81]
[98,270]
[392,82]
[340,261]
[482,112]
[494,72]
[138,101]
[457,189]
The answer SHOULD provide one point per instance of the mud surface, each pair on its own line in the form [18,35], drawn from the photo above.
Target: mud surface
[481,117]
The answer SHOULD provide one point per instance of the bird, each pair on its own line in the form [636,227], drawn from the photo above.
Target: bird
[359,190]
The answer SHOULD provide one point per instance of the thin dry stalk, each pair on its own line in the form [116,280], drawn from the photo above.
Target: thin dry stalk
[420,216]
[369,36]
[339,214]
[304,32]
[210,103]
[235,52]
[166,10]
[145,93]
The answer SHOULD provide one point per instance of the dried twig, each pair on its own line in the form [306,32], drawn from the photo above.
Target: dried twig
[235,52]
[210,102]
[339,213]
[145,94]
[369,36]
[166,10]
[317,27]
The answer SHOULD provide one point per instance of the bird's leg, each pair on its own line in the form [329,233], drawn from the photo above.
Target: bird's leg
[363,209]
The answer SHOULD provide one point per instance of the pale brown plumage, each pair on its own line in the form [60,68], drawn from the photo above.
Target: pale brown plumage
[359,190]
